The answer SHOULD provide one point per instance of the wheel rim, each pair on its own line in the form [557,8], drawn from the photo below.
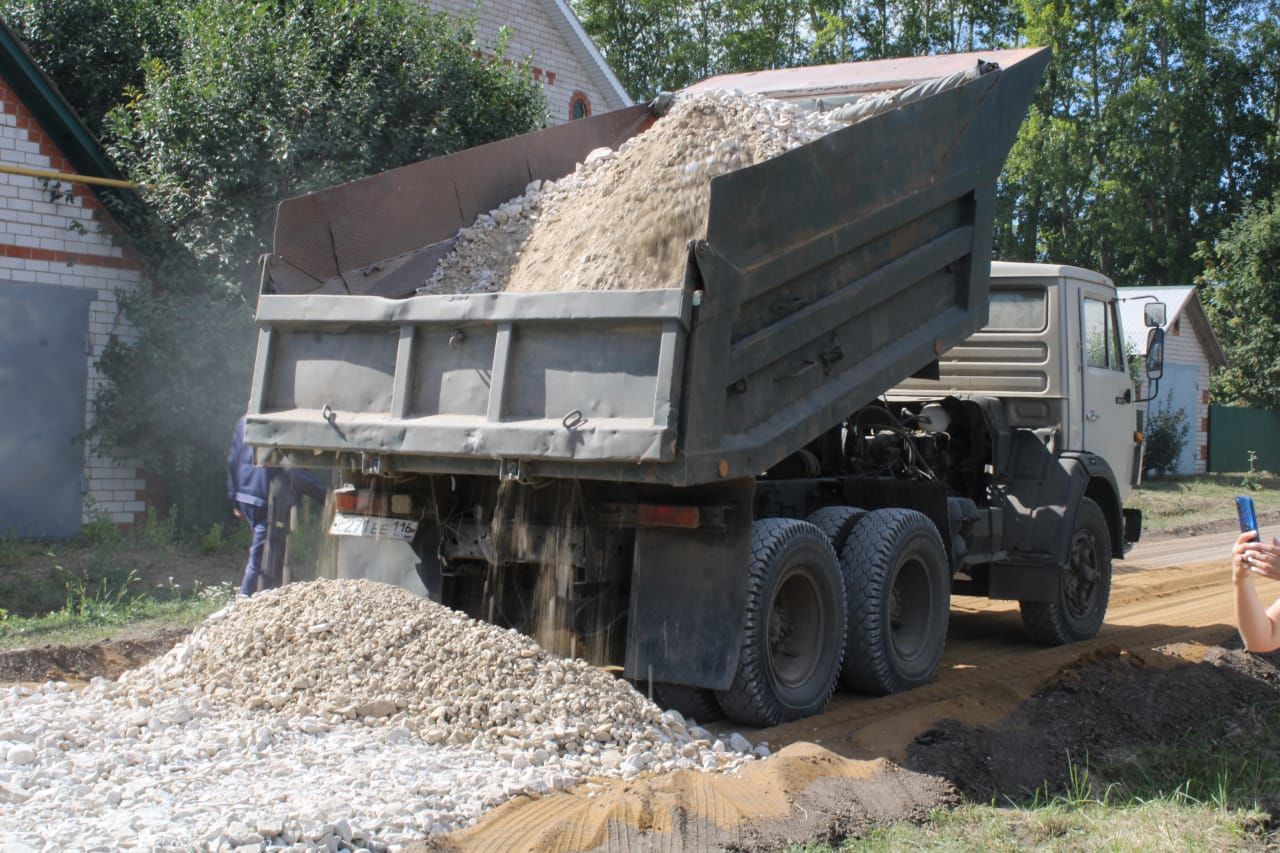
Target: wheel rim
[1081,581]
[796,624]
[910,609]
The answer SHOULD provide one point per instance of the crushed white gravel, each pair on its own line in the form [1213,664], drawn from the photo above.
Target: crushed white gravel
[334,714]
[622,219]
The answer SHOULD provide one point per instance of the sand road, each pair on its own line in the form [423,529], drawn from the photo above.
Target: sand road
[1169,590]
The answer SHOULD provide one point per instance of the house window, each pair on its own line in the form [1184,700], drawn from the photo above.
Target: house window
[579,106]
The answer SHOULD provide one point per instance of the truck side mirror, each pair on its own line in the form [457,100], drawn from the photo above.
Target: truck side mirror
[1153,315]
[1154,362]
[1155,353]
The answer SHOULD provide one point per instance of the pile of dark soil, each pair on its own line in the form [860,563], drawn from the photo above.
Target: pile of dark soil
[106,658]
[1103,709]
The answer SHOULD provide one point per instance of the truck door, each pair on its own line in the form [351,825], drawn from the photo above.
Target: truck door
[1108,416]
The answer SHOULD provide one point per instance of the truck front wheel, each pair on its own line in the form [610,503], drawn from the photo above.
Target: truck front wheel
[793,636]
[1084,585]
[895,568]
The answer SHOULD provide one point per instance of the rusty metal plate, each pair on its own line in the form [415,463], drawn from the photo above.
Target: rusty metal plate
[360,224]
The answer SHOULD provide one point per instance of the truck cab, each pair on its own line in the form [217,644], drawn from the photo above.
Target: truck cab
[1052,352]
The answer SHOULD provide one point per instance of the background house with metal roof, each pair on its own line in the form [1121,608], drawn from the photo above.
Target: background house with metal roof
[64,261]
[575,78]
[1191,354]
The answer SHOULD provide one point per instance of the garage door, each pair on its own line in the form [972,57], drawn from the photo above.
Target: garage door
[42,387]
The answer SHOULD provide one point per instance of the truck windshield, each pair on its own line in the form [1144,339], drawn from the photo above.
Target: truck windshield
[1020,310]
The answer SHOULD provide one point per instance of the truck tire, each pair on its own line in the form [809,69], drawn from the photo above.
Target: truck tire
[695,703]
[1084,586]
[895,568]
[836,522]
[793,636]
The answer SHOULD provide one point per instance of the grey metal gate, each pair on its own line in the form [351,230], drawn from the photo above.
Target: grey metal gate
[42,400]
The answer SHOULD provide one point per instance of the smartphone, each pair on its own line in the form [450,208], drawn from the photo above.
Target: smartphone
[1248,518]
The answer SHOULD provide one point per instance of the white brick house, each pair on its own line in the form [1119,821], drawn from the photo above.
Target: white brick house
[61,273]
[1191,353]
[575,78]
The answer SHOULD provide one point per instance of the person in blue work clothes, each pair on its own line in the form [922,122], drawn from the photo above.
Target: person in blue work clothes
[263,497]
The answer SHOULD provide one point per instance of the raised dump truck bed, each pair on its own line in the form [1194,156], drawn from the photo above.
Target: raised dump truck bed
[711,486]
[828,275]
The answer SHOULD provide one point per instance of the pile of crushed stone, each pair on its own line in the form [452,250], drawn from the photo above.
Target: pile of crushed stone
[331,715]
[333,650]
[622,220]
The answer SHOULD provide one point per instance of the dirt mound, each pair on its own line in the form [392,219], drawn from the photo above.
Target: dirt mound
[106,658]
[803,794]
[1106,707]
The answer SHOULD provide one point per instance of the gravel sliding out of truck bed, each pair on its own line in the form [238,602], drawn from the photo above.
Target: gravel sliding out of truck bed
[336,712]
[623,219]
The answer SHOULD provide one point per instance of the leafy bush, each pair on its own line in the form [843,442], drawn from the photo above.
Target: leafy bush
[1252,479]
[1166,433]
[1239,287]
[99,531]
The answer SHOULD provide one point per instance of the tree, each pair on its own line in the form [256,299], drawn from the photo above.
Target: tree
[93,50]
[270,100]
[261,102]
[1148,133]
[1241,290]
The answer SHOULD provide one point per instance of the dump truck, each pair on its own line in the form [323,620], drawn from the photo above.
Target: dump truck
[743,490]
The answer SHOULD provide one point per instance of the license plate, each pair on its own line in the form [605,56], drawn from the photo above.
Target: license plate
[378,528]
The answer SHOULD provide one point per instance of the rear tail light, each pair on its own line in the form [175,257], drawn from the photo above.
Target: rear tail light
[345,500]
[660,515]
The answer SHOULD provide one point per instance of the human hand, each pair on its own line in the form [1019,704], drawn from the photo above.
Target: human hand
[1250,555]
[235,510]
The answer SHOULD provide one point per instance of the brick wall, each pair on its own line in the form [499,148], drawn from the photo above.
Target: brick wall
[534,34]
[66,242]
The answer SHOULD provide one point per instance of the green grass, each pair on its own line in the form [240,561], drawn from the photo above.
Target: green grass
[1170,502]
[107,581]
[1156,825]
[1207,789]
[142,614]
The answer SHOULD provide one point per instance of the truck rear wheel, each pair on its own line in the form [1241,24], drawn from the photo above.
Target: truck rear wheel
[1084,585]
[836,522]
[793,637]
[895,568]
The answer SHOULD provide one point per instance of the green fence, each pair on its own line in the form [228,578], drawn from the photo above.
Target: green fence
[1234,432]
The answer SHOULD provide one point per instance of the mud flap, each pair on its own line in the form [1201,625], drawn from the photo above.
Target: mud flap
[1024,582]
[1041,497]
[689,593]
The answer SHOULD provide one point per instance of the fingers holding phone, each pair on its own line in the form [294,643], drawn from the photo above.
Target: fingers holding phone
[1241,560]
[1263,558]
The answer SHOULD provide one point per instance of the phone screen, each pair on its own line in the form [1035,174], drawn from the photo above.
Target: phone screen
[1245,511]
